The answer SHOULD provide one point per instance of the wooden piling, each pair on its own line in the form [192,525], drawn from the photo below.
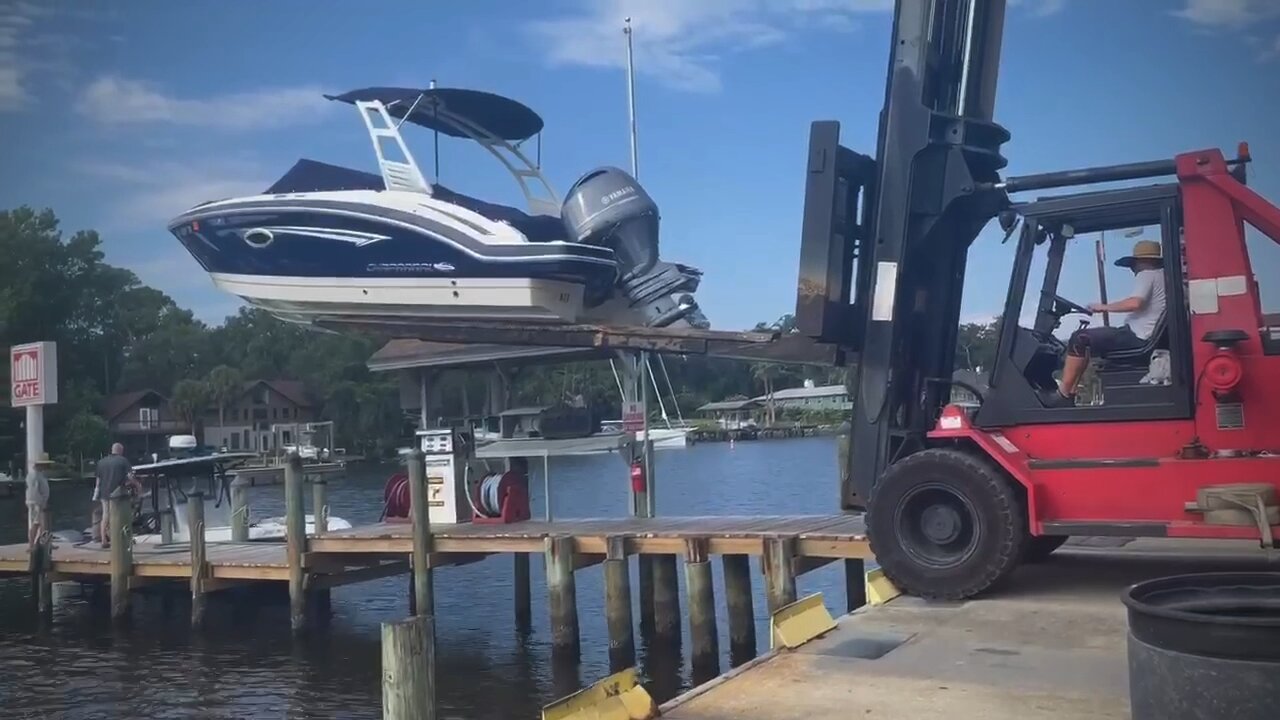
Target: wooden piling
[42,573]
[167,519]
[296,538]
[644,569]
[617,601]
[409,669]
[423,588]
[239,510]
[779,571]
[700,586]
[319,600]
[738,599]
[562,597]
[120,510]
[320,504]
[199,567]
[855,583]
[523,595]
[666,600]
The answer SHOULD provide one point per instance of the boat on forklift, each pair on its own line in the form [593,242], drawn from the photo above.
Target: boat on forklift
[956,498]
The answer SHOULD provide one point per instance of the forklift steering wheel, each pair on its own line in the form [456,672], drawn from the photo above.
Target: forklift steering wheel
[1063,306]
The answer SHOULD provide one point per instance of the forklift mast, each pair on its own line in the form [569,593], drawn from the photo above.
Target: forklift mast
[884,241]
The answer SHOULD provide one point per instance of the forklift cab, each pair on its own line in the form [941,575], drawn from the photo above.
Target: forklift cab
[1031,351]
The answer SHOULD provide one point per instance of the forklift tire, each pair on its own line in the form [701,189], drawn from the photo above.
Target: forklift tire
[1039,548]
[944,524]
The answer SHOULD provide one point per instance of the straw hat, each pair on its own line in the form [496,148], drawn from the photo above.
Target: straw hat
[1142,250]
[42,459]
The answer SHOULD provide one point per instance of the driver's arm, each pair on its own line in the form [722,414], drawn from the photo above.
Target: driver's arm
[1127,305]
[1138,300]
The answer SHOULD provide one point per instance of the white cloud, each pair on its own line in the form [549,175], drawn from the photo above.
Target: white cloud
[680,42]
[118,101]
[31,55]
[150,194]
[1041,8]
[12,94]
[1271,53]
[1227,13]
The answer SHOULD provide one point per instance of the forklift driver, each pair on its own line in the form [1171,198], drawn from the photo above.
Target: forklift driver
[1145,306]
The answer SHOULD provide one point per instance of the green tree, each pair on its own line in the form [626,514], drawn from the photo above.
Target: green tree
[976,345]
[189,400]
[86,436]
[226,385]
[764,373]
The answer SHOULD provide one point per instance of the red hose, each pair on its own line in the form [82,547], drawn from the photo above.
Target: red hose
[395,496]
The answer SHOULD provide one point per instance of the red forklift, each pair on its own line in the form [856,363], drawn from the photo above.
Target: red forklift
[956,497]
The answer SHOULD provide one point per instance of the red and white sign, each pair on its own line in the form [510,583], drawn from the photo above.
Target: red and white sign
[632,417]
[33,374]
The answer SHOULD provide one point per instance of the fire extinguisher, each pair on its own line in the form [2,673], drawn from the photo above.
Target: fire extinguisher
[638,484]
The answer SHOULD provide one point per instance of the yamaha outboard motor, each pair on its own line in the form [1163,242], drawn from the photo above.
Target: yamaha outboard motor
[607,207]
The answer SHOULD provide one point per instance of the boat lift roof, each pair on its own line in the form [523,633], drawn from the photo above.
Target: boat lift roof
[214,460]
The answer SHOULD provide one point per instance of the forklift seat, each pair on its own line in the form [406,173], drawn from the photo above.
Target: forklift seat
[1139,357]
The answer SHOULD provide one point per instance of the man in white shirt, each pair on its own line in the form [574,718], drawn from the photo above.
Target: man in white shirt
[1145,305]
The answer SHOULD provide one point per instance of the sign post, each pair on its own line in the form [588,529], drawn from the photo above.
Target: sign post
[33,374]
[632,417]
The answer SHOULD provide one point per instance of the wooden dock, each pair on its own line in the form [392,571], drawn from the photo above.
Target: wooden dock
[309,565]
[816,537]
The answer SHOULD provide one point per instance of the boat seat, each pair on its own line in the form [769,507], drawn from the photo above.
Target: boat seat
[314,176]
[536,228]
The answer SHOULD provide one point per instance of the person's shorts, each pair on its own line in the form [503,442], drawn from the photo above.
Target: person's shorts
[1103,341]
[35,515]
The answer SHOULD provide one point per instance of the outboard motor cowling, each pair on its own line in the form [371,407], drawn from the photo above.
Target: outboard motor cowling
[608,208]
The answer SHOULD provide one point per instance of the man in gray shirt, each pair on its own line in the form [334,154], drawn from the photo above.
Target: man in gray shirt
[113,472]
[37,499]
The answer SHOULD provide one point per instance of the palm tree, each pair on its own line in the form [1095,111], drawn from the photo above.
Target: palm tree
[226,384]
[189,401]
[764,372]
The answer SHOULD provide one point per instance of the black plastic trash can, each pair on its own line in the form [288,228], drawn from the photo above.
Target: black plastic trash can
[1205,647]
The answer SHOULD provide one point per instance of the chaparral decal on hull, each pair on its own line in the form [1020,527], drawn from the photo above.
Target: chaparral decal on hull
[355,237]
[443,267]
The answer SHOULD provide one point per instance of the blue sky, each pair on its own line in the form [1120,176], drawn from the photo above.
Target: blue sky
[121,116]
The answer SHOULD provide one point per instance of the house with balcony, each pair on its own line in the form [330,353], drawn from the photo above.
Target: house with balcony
[733,414]
[267,415]
[142,421]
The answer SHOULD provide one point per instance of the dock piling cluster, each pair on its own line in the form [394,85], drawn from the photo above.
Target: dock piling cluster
[313,563]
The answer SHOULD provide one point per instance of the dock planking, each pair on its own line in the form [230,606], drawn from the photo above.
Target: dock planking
[371,551]
[829,536]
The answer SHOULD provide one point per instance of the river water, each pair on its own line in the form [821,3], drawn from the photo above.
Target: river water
[246,664]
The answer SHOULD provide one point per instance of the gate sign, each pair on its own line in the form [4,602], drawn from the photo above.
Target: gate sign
[632,417]
[33,373]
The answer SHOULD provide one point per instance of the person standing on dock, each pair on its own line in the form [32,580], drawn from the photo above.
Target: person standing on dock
[37,499]
[113,472]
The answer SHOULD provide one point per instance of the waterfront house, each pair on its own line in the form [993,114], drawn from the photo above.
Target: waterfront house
[808,398]
[142,421]
[733,414]
[265,416]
